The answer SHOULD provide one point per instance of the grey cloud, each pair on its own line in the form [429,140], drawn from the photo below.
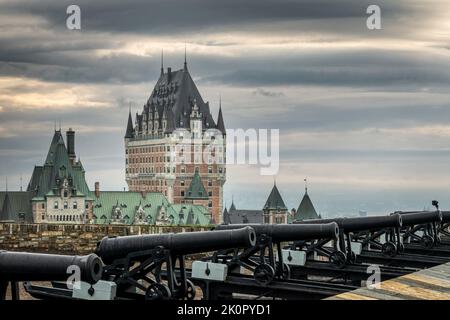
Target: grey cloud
[167,16]
[267,93]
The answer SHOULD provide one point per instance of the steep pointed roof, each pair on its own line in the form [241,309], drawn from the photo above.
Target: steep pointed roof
[220,125]
[275,201]
[226,217]
[196,189]
[57,165]
[130,131]
[16,205]
[190,218]
[5,213]
[57,136]
[232,207]
[177,91]
[306,209]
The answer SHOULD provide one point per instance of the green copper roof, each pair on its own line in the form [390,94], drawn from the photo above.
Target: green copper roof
[151,204]
[275,202]
[57,165]
[306,209]
[196,189]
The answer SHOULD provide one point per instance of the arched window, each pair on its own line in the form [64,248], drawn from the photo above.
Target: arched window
[55,205]
[66,205]
[75,205]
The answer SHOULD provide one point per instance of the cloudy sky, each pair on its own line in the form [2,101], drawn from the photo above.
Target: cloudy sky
[364,114]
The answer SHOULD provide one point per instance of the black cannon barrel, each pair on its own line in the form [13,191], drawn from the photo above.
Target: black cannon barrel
[26,266]
[359,224]
[289,232]
[110,249]
[411,219]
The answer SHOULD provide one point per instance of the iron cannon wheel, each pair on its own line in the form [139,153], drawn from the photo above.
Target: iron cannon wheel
[427,241]
[338,258]
[264,274]
[157,291]
[389,249]
[190,290]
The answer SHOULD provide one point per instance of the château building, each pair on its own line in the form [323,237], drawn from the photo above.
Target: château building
[166,143]
[58,193]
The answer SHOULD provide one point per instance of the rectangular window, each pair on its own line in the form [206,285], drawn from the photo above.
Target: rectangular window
[75,205]
[182,183]
[210,204]
[210,193]
[209,183]
[182,193]
[43,206]
[65,204]
[220,170]
[210,169]
[87,206]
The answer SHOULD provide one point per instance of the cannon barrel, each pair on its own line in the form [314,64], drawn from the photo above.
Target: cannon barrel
[26,266]
[411,219]
[110,249]
[289,232]
[359,224]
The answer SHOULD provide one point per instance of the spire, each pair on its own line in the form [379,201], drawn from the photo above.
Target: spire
[162,61]
[220,125]
[233,207]
[21,187]
[6,184]
[275,201]
[306,209]
[185,58]
[306,185]
[129,133]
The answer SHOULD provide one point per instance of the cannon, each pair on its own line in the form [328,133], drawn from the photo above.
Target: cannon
[112,248]
[24,266]
[152,267]
[155,264]
[264,269]
[421,227]
[361,223]
[289,232]
[419,217]
[365,231]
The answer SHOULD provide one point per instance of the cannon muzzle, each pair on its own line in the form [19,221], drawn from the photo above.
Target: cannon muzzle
[113,248]
[289,232]
[423,217]
[360,224]
[25,266]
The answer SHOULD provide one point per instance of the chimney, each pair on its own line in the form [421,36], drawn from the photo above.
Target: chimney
[97,189]
[71,145]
